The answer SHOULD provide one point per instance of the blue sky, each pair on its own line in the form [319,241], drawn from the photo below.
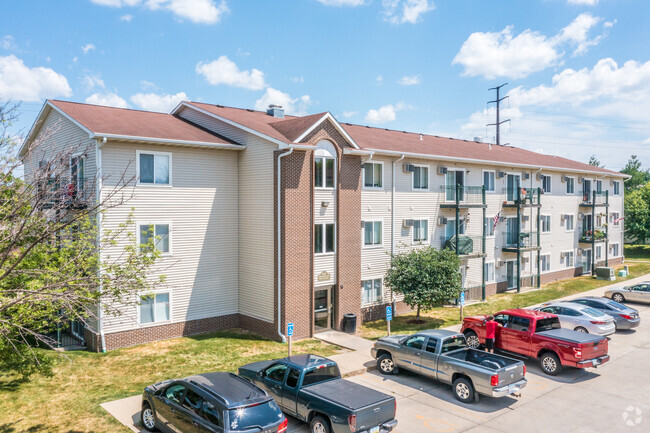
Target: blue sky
[578,71]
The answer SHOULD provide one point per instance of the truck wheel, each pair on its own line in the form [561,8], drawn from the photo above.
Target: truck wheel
[581,329]
[550,364]
[463,390]
[617,297]
[472,339]
[386,365]
[319,424]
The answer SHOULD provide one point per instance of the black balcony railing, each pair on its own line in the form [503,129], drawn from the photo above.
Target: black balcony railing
[467,245]
[595,197]
[587,234]
[66,193]
[464,194]
[522,196]
[512,239]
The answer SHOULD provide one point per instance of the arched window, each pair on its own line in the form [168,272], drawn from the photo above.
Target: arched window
[324,165]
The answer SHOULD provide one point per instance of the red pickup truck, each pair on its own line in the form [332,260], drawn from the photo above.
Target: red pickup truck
[538,335]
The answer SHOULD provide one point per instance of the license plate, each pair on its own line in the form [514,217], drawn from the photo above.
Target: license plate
[596,361]
[374,430]
[513,388]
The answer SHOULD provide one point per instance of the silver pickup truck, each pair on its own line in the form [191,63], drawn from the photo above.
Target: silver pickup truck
[445,356]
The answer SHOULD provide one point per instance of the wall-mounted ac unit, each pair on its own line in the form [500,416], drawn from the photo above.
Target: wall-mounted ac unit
[442,170]
[500,263]
[525,217]
[539,176]
[442,221]
[564,178]
[611,182]
[408,168]
[581,179]
[525,176]
[526,259]
[579,251]
[407,223]
[580,216]
[500,174]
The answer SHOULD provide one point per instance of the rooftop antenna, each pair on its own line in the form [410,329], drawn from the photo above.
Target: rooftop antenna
[498,122]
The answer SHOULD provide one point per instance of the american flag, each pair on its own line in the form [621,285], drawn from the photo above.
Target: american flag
[617,220]
[495,221]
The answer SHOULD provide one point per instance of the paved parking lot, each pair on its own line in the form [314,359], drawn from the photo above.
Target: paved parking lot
[612,398]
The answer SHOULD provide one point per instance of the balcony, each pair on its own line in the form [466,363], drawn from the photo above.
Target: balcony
[462,196]
[588,236]
[595,198]
[526,241]
[521,197]
[65,194]
[468,246]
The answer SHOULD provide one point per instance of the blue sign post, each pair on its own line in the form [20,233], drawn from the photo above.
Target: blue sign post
[389,317]
[290,334]
[462,304]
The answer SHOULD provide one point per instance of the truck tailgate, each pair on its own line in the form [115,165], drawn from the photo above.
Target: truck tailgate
[375,414]
[511,374]
[594,350]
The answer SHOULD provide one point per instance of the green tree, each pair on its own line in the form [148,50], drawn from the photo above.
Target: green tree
[637,214]
[594,161]
[638,175]
[427,277]
[51,270]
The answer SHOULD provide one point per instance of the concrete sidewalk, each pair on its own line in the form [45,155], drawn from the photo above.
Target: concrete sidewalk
[352,363]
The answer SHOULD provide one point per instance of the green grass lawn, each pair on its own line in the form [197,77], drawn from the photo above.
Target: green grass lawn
[443,317]
[637,252]
[69,401]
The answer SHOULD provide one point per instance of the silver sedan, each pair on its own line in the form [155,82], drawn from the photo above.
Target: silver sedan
[580,318]
[624,316]
[635,293]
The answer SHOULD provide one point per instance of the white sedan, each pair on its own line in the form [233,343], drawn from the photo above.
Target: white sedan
[580,318]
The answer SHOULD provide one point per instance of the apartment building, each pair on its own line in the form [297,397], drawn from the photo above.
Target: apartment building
[267,219]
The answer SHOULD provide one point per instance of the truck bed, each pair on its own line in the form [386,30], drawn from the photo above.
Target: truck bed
[572,336]
[479,357]
[346,393]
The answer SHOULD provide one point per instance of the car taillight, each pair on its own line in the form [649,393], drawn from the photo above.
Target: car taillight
[626,316]
[395,407]
[352,422]
[577,352]
[494,380]
[598,322]
[524,369]
[282,428]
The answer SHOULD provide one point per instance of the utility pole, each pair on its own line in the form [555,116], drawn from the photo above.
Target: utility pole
[498,122]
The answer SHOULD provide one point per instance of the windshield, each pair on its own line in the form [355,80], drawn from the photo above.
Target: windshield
[616,306]
[258,415]
[321,374]
[453,343]
[591,312]
[547,324]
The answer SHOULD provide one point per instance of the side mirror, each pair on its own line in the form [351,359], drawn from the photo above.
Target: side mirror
[524,329]
[260,374]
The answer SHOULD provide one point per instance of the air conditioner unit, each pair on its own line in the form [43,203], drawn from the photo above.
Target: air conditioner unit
[525,176]
[526,259]
[525,217]
[564,178]
[500,174]
[539,176]
[500,263]
[579,250]
[442,170]
[442,221]
[581,179]
[611,182]
[408,168]
[580,216]
[407,223]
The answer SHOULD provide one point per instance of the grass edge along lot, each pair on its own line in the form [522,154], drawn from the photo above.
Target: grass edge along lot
[69,401]
[445,316]
[637,252]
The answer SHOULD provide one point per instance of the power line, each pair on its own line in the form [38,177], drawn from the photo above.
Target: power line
[533,119]
[498,122]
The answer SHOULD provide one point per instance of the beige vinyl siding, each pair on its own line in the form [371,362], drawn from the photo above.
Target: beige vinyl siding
[257,215]
[325,263]
[325,215]
[201,208]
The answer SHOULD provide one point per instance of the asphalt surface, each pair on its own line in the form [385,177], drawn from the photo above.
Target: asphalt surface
[612,398]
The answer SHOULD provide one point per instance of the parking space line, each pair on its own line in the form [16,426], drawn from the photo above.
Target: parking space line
[426,422]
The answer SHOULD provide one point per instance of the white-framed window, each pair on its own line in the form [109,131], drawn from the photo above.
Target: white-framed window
[371,291]
[599,252]
[161,234]
[615,219]
[489,272]
[488,180]
[489,226]
[569,222]
[324,238]
[78,174]
[546,183]
[545,221]
[373,175]
[420,230]
[154,168]
[545,263]
[568,257]
[599,186]
[450,228]
[155,308]
[421,177]
[617,187]
[570,185]
[325,165]
[615,252]
[372,234]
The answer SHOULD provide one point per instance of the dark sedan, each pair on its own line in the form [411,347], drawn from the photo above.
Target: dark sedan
[211,402]
[624,316]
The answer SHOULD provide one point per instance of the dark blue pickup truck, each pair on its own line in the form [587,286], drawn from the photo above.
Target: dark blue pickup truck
[310,388]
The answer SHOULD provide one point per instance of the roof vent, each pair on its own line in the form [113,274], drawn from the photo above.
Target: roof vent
[477,139]
[275,111]
[420,137]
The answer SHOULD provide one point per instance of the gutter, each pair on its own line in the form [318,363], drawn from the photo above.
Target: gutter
[169,141]
[98,164]
[279,234]
[392,222]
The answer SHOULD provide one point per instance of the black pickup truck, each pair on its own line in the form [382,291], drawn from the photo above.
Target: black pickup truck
[310,388]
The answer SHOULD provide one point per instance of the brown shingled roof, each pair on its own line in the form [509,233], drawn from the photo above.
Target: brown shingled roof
[136,123]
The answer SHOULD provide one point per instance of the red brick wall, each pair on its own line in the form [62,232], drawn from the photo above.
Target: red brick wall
[560,275]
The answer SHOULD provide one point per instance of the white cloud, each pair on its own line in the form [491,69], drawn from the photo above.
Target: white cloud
[298,79]
[296,106]
[155,102]
[406,11]
[198,11]
[225,71]
[409,80]
[127,18]
[342,2]
[88,47]
[93,80]
[348,114]
[379,79]
[386,113]
[7,43]
[502,54]
[108,99]
[21,82]
[147,84]
[583,2]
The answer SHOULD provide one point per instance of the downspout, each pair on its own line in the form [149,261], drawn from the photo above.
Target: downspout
[279,234]
[539,228]
[98,163]
[392,224]
[363,161]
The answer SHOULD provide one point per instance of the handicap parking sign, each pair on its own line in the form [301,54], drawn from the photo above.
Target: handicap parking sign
[290,329]
[462,298]
[389,313]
